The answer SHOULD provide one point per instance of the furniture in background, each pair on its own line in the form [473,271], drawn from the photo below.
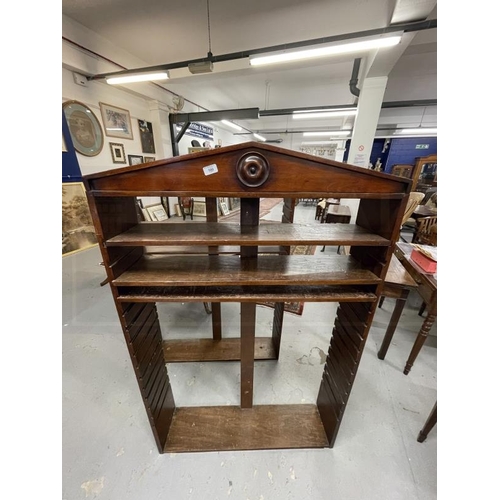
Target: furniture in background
[186,205]
[337,214]
[397,285]
[329,202]
[427,289]
[320,208]
[139,278]
[408,223]
[425,174]
[426,231]
[429,424]
[402,170]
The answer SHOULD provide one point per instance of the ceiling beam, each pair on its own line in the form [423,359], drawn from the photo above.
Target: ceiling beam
[404,27]
[215,116]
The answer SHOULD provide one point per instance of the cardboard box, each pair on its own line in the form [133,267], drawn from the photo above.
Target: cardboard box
[427,264]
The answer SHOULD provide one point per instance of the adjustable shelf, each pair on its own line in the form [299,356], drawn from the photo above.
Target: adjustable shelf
[216,270]
[248,263]
[210,233]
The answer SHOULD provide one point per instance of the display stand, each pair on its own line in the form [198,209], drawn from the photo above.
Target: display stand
[139,280]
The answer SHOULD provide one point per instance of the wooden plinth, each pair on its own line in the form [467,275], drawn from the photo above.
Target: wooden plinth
[224,428]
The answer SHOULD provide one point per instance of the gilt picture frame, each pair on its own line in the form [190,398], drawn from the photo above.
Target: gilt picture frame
[157,213]
[199,208]
[116,121]
[78,232]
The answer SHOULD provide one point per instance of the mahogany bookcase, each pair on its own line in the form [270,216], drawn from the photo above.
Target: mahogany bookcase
[139,279]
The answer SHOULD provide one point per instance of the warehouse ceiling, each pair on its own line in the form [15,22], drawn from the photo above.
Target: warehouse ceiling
[164,32]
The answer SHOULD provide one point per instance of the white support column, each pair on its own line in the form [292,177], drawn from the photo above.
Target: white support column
[159,118]
[369,105]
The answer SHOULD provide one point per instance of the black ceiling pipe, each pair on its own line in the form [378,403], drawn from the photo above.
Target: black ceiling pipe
[354,77]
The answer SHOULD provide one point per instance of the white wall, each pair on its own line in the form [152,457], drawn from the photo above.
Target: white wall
[145,101]
[97,92]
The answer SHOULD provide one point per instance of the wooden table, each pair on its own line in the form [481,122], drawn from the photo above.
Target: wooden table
[329,202]
[427,289]
[397,285]
[337,214]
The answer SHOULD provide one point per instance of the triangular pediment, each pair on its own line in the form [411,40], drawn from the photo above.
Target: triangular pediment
[247,169]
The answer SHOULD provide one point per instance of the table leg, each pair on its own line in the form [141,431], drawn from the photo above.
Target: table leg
[393,323]
[421,337]
[431,422]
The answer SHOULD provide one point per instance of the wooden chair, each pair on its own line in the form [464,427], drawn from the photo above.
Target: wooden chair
[186,204]
[320,207]
[413,201]
[426,231]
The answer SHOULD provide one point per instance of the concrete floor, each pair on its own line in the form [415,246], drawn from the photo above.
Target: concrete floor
[108,448]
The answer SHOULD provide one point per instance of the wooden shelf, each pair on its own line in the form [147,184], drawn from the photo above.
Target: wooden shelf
[198,350]
[231,270]
[214,233]
[305,293]
[250,263]
[225,428]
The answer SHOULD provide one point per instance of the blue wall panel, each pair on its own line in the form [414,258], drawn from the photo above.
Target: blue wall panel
[404,151]
[70,167]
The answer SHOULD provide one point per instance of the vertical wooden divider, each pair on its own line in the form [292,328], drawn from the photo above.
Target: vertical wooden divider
[211,206]
[249,254]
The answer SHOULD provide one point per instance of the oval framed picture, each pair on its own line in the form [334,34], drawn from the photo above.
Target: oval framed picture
[85,129]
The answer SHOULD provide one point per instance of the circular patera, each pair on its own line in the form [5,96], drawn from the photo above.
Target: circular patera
[84,128]
[252,169]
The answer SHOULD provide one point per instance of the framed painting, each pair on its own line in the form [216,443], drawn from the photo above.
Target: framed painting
[84,128]
[147,138]
[116,121]
[199,208]
[135,159]
[149,158]
[77,228]
[117,152]
[223,207]
[157,213]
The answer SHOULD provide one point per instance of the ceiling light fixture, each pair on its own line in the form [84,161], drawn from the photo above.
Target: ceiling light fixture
[326,51]
[317,143]
[259,137]
[231,124]
[328,114]
[333,132]
[137,77]
[417,131]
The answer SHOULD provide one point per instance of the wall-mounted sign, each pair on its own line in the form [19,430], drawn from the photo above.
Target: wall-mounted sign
[422,146]
[199,130]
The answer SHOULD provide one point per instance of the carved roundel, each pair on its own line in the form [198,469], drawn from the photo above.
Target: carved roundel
[252,169]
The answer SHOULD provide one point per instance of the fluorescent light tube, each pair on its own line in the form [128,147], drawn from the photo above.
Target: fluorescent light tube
[326,51]
[138,77]
[259,137]
[333,132]
[327,114]
[325,143]
[231,124]
[417,131]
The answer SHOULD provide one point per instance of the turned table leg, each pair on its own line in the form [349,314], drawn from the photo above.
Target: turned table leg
[431,422]
[393,323]
[421,337]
